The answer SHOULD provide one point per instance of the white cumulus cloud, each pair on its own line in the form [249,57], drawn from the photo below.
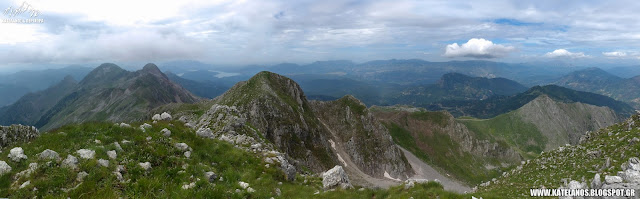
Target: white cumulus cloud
[614,54]
[478,48]
[563,53]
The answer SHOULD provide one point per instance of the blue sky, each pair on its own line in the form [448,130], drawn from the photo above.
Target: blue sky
[241,32]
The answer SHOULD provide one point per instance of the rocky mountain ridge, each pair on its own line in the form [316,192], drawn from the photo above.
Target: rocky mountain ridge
[108,93]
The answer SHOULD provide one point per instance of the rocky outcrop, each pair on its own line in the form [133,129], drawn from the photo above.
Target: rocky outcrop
[16,133]
[335,177]
[564,123]
[628,178]
[277,108]
[368,143]
[228,124]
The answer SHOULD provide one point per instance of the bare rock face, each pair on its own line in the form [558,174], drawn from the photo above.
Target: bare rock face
[564,123]
[335,177]
[368,143]
[17,133]
[451,128]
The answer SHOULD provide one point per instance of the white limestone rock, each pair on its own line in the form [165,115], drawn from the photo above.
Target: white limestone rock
[335,177]
[205,132]
[165,132]
[17,154]
[48,154]
[182,146]
[103,162]
[112,154]
[70,162]
[4,168]
[81,176]
[156,117]
[145,165]
[86,153]
[165,116]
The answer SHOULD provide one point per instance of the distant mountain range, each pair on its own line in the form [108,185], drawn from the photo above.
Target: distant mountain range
[599,81]
[107,93]
[14,86]
[497,105]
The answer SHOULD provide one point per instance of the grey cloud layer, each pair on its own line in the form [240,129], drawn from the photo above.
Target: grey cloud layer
[245,32]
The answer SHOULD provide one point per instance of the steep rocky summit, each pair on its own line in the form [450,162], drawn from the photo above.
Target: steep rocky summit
[276,106]
[271,110]
[108,93]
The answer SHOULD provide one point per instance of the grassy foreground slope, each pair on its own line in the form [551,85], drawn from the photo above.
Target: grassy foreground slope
[170,169]
[600,152]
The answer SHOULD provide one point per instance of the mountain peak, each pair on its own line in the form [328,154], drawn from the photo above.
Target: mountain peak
[150,67]
[69,79]
[104,72]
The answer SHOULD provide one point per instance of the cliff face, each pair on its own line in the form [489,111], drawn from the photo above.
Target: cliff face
[564,123]
[445,124]
[366,141]
[440,140]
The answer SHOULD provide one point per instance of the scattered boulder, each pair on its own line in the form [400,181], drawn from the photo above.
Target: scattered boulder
[145,165]
[165,116]
[4,168]
[409,185]
[205,132]
[278,192]
[244,185]
[125,125]
[81,176]
[251,190]
[112,154]
[165,132]
[86,153]
[49,155]
[189,186]
[17,154]
[70,162]
[156,117]
[596,183]
[335,177]
[182,146]
[103,162]
[211,176]
[145,126]
[117,145]
[187,154]
[118,176]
